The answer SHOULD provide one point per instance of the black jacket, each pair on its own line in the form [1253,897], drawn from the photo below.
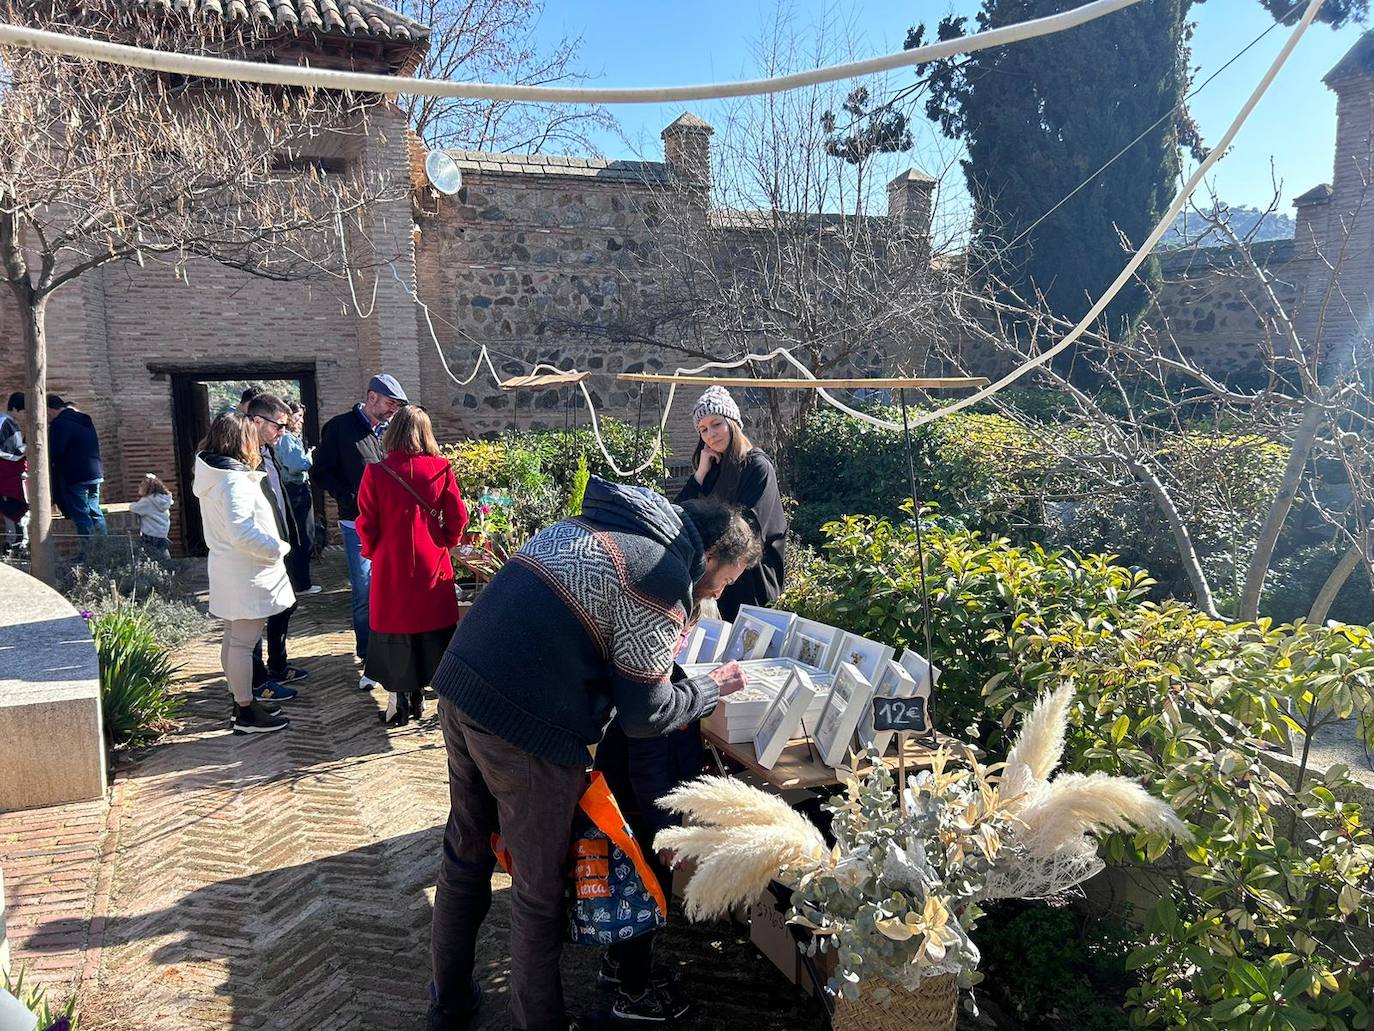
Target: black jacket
[74,448]
[580,627]
[287,527]
[347,444]
[757,493]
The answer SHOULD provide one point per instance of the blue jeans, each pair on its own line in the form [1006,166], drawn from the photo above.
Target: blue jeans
[360,578]
[83,507]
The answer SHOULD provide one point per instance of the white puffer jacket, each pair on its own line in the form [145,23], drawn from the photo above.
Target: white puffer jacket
[247,576]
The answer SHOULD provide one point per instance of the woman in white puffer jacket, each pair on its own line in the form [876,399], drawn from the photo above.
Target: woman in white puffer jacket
[248,580]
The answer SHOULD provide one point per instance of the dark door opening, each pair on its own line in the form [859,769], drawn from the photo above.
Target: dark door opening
[199,393]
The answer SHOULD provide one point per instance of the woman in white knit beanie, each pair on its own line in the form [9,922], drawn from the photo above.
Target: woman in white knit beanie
[726,466]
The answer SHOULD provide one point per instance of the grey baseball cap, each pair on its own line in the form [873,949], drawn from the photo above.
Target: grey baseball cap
[386,385]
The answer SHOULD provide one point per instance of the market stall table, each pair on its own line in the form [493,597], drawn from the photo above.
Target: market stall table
[799,768]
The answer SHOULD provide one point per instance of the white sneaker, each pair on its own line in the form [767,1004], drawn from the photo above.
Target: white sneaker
[366,683]
[314,589]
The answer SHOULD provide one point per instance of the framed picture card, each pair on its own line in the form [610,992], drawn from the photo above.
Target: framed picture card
[710,637]
[783,718]
[750,638]
[850,696]
[869,657]
[925,674]
[811,642]
[691,644]
[895,682]
[780,621]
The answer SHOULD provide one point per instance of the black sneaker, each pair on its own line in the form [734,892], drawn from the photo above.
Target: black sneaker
[441,1019]
[254,719]
[656,1006]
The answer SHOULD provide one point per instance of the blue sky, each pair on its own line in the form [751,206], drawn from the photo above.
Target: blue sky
[654,42]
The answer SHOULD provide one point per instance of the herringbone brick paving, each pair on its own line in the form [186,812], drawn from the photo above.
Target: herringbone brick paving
[286,881]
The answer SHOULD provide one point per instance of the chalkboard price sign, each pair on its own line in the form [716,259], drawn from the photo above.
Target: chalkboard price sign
[900,714]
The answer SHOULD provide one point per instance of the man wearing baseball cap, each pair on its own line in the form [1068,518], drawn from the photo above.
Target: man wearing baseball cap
[349,442]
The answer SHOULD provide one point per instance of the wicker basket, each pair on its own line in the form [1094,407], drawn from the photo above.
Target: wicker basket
[933,1006]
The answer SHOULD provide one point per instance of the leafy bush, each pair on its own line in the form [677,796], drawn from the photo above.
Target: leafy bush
[984,469]
[1056,967]
[135,676]
[34,999]
[868,581]
[115,571]
[1262,920]
[539,471]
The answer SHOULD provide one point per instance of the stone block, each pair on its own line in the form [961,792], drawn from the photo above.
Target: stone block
[52,740]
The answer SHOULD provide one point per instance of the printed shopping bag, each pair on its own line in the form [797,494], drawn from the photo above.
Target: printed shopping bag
[613,893]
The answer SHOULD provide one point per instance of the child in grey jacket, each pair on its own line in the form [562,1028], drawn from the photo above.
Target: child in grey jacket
[154,508]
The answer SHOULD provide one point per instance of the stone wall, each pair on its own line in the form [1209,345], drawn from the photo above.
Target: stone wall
[1210,304]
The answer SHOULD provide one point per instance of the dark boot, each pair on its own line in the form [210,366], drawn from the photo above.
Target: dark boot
[417,705]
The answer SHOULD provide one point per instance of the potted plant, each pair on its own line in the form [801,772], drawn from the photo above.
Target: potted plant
[898,892]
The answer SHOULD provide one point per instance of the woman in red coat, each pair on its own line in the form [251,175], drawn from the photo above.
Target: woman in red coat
[410,515]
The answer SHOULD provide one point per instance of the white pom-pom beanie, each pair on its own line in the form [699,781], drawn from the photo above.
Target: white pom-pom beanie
[716,401]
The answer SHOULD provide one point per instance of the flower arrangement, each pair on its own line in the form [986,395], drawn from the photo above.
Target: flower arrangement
[897,894]
[490,538]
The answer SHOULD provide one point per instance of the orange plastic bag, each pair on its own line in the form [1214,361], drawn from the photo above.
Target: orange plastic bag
[613,894]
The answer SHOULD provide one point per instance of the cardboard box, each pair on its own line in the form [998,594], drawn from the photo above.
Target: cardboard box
[772,936]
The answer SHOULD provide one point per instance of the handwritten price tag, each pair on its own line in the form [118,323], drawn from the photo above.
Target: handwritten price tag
[900,714]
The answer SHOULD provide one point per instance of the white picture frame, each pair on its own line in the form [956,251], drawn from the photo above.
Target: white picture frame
[811,642]
[750,638]
[895,682]
[691,644]
[715,634]
[780,621]
[780,723]
[849,696]
[706,639]
[925,674]
[870,657]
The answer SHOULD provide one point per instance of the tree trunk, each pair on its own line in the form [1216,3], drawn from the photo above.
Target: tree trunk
[1183,540]
[43,557]
[1299,453]
[1327,595]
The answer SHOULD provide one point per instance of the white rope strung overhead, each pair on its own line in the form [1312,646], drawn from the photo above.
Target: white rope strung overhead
[327,78]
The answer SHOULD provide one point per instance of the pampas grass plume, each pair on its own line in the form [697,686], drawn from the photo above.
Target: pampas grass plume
[1039,746]
[1075,804]
[741,839]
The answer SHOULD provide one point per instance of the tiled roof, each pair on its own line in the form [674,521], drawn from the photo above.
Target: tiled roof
[649,172]
[737,218]
[356,18]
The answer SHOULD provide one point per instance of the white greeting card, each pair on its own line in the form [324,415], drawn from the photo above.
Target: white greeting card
[849,696]
[783,718]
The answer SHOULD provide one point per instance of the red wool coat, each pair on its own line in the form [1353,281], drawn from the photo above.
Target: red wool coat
[412,574]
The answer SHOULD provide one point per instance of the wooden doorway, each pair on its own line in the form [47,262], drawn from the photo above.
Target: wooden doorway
[191,417]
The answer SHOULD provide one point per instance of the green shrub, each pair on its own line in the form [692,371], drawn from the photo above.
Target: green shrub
[135,676]
[983,469]
[538,472]
[1263,920]
[115,571]
[1056,967]
[868,581]
[34,999]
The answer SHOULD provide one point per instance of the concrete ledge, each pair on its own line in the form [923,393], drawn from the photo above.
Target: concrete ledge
[52,740]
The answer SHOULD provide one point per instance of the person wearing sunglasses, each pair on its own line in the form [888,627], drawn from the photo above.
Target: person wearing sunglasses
[269,416]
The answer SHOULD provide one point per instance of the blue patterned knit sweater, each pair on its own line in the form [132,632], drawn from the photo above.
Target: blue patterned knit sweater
[580,627]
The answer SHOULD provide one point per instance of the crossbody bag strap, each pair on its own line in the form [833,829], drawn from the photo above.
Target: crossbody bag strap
[425,506]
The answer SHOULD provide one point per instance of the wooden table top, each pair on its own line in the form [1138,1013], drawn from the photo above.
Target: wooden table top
[799,766]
